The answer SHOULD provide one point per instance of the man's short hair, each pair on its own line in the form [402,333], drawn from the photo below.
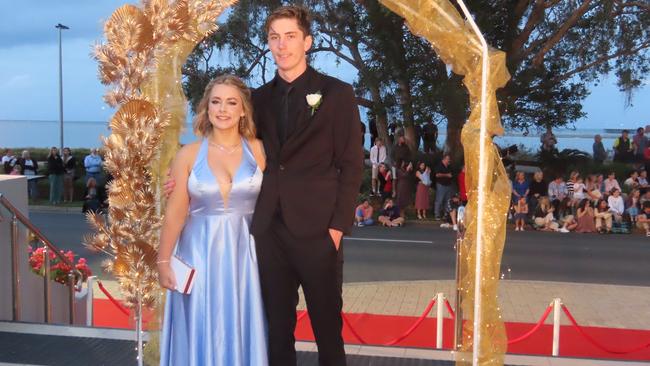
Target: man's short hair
[300,14]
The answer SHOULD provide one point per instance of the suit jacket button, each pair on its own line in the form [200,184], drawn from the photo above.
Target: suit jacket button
[281,167]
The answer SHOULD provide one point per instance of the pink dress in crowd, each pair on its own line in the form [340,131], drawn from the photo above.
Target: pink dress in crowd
[422,191]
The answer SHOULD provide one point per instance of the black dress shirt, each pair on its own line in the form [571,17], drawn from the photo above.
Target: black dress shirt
[292,99]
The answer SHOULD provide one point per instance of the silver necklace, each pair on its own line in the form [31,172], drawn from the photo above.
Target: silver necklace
[228,150]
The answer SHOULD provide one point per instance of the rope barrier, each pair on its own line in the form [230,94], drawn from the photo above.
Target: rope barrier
[398,339]
[450,309]
[535,328]
[112,299]
[354,332]
[414,326]
[597,344]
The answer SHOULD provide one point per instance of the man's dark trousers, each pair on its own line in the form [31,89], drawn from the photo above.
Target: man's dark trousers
[287,262]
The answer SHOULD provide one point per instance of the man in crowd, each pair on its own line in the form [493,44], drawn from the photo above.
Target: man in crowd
[418,135]
[377,156]
[93,165]
[430,137]
[392,128]
[623,148]
[401,153]
[443,185]
[548,140]
[451,212]
[8,161]
[599,150]
[640,142]
[372,127]
[557,194]
[363,214]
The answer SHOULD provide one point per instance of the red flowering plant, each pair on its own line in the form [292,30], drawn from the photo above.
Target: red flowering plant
[59,270]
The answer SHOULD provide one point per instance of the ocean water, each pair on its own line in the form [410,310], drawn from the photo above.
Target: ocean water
[86,134]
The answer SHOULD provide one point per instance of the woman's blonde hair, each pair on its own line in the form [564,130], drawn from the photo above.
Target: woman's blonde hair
[544,202]
[203,127]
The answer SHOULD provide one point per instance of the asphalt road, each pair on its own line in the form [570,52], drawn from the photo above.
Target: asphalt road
[426,252]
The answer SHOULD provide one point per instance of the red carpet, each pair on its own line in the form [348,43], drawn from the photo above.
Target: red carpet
[380,329]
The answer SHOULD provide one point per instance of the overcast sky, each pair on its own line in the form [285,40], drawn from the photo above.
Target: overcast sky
[29,67]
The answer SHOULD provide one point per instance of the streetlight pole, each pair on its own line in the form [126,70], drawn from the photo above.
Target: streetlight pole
[60,27]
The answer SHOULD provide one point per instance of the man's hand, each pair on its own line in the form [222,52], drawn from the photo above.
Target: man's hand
[169,185]
[336,237]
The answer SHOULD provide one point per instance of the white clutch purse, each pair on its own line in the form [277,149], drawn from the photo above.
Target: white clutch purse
[184,274]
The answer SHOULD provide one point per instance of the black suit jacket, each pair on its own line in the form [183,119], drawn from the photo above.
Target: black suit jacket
[314,178]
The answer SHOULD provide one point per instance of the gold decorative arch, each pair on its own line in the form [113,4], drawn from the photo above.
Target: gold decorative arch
[141,62]
[457,45]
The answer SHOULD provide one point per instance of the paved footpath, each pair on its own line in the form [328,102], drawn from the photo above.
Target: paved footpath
[521,301]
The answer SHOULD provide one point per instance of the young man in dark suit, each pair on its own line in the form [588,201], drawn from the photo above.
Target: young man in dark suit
[309,123]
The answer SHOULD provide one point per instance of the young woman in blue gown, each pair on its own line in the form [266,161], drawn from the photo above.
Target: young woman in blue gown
[206,224]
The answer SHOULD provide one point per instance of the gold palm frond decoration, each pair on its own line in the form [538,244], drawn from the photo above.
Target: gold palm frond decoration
[140,63]
[129,30]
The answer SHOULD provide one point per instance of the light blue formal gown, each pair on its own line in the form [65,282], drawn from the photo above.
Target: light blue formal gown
[222,321]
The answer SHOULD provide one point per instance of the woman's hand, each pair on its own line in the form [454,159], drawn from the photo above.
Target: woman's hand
[166,276]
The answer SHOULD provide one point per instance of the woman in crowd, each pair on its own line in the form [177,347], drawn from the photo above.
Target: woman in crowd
[423,176]
[55,173]
[521,213]
[610,183]
[579,191]
[633,204]
[543,215]
[616,205]
[538,188]
[571,186]
[29,168]
[405,185]
[600,183]
[520,187]
[586,217]
[592,188]
[69,164]
[569,223]
[603,216]
[390,214]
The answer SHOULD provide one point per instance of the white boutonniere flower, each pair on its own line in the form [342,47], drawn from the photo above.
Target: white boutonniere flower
[314,101]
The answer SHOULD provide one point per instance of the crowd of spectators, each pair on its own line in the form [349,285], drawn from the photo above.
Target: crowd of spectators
[594,203]
[400,181]
[62,171]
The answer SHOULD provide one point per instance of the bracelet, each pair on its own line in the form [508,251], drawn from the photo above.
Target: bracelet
[159,262]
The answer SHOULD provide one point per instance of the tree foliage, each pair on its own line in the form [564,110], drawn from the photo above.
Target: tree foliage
[556,49]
